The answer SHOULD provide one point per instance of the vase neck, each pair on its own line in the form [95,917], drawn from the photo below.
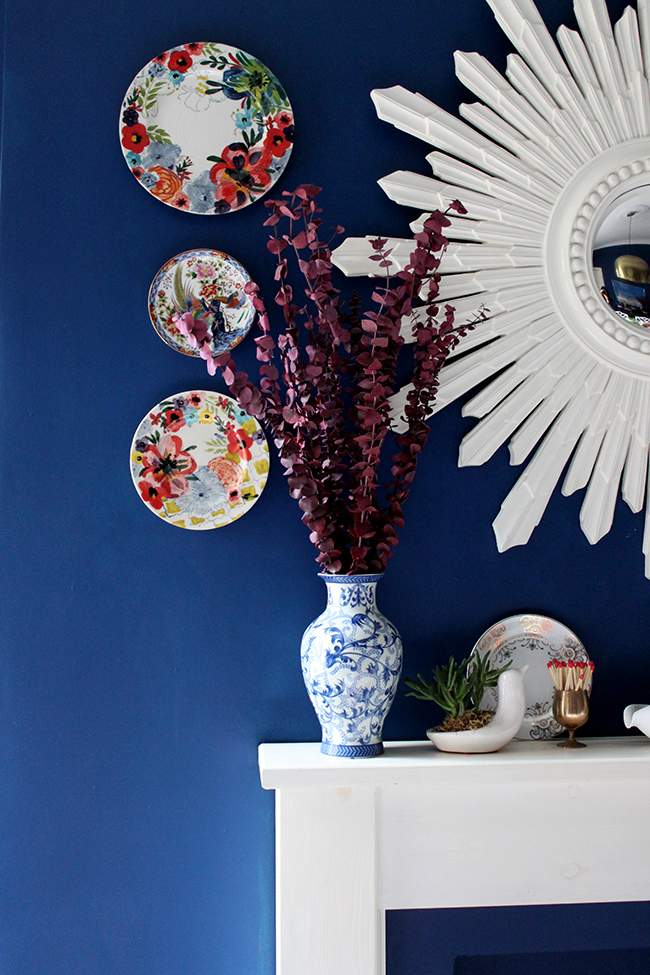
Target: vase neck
[351,593]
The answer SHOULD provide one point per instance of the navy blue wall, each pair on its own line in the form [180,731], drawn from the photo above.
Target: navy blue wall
[141,665]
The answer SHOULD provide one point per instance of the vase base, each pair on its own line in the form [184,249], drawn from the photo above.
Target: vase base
[352,751]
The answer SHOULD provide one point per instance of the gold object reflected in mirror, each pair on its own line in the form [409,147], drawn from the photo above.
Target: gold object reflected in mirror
[632,268]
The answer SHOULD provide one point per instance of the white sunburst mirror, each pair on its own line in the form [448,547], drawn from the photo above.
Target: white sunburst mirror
[546,156]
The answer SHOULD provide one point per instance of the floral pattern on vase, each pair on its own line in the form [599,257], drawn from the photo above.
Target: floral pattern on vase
[351,662]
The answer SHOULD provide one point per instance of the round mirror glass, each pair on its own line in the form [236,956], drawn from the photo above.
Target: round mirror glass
[621,257]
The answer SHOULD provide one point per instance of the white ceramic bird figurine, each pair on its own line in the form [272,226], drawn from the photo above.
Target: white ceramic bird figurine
[511,707]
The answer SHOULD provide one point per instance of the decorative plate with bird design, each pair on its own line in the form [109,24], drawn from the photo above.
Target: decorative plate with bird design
[208,285]
[198,460]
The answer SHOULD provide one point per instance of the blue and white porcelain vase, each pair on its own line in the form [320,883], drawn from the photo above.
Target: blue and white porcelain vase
[351,661]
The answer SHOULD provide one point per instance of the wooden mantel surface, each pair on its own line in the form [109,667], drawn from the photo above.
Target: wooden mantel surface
[300,764]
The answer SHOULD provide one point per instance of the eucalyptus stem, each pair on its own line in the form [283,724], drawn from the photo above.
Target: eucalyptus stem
[329,411]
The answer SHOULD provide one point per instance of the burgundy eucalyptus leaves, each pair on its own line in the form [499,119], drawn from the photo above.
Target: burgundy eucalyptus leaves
[327,405]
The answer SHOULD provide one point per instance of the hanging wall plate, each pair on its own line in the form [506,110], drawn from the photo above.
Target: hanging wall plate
[206,128]
[198,460]
[205,282]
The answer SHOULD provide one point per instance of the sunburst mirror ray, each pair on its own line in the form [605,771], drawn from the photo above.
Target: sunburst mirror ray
[538,161]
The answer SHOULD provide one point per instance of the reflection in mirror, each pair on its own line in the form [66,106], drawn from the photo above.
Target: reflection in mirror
[621,256]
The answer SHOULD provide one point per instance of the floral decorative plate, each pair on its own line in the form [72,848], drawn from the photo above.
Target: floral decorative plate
[206,128]
[207,284]
[199,461]
[532,640]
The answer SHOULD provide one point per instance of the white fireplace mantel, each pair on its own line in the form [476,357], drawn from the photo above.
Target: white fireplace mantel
[417,828]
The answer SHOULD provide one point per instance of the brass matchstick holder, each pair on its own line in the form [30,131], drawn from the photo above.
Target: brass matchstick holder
[571,710]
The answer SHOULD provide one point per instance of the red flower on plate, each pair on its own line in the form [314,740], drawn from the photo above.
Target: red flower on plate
[280,134]
[283,119]
[134,137]
[152,494]
[241,172]
[180,61]
[173,420]
[166,465]
[181,201]
[239,442]
[196,400]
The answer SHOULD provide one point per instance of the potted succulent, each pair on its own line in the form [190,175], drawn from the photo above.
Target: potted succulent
[458,688]
[327,406]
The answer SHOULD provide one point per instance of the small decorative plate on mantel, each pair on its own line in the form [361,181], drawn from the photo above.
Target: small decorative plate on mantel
[532,640]
[206,128]
[199,461]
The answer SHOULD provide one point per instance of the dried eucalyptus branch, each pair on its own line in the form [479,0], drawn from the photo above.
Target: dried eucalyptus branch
[328,405]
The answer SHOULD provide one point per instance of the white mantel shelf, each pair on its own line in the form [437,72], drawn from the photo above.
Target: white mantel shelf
[301,764]
[414,828]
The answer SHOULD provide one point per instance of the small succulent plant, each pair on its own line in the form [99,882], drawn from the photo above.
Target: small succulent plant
[458,688]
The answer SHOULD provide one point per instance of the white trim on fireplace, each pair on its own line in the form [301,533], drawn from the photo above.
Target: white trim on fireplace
[418,828]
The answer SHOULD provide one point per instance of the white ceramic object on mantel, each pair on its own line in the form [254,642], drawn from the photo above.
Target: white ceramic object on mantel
[501,729]
[638,716]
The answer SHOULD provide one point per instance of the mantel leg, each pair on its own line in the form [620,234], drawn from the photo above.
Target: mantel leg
[328,922]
